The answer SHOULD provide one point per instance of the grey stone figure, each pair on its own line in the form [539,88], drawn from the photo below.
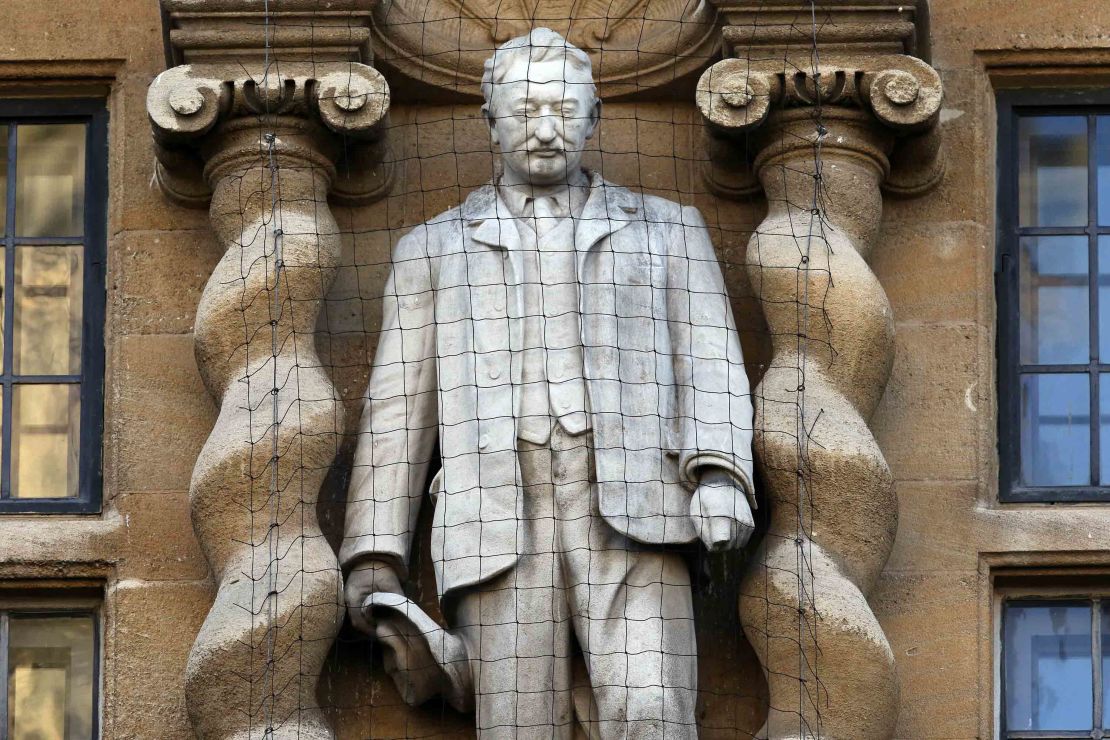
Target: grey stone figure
[570,346]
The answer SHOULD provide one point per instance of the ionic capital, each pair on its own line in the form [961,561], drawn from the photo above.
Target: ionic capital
[901,92]
[837,61]
[198,113]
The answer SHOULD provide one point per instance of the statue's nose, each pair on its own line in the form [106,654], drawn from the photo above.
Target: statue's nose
[545,129]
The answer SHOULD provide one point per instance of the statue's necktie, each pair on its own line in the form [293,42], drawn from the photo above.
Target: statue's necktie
[548,213]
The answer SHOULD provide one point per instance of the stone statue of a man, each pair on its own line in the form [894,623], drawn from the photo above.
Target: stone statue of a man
[570,346]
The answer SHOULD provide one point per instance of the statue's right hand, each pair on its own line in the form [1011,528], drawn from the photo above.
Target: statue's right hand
[366,578]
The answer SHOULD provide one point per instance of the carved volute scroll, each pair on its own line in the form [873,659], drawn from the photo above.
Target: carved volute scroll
[635,45]
[252,125]
[822,135]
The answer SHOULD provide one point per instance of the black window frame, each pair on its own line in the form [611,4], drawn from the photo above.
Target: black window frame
[94,113]
[1010,105]
[1095,600]
[64,602]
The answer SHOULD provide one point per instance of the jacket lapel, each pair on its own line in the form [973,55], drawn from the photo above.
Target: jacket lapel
[489,223]
[488,219]
[608,210]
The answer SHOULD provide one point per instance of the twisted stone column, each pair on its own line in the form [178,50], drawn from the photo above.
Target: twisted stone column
[265,142]
[820,145]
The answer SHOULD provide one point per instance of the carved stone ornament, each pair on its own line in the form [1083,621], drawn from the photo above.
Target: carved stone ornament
[902,94]
[187,102]
[635,45]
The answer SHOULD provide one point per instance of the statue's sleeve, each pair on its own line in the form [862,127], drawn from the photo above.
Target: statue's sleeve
[714,414]
[398,429]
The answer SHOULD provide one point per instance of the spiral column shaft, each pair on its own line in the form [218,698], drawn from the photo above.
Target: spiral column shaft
[821,140]
[253,668]
[831,495]
[259,145]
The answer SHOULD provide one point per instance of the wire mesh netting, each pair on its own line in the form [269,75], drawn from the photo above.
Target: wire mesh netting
[537,371]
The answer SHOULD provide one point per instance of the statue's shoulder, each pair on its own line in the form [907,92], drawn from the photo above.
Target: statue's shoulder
[440,229]
[474,206]
[633,203]
[661,209]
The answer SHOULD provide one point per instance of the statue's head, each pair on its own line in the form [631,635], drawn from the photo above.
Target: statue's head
[541,104]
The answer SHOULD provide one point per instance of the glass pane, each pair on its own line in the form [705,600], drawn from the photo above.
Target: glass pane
[1055,430]
[1104,430]
[48,295]
[1105,620]
[1052,170]
[51,671]
[45,441]
[1104,298]
[1047,654]
[50,179]
[1102,155]
[3,179]
[1055,300]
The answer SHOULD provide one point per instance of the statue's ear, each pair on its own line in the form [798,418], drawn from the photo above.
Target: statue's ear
[492,129]
[595,115]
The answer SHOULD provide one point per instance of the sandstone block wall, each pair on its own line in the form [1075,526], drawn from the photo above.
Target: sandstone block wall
[935,425]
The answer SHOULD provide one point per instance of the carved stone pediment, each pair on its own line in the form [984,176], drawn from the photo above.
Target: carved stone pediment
[634,44]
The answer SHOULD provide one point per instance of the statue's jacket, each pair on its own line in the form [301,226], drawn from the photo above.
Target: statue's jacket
[662,361]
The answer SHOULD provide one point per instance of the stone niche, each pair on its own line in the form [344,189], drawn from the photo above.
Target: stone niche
[442,152]
[372,111]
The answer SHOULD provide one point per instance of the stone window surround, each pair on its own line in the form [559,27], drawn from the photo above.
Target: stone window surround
[72,106]
[1030,576]
[53,596]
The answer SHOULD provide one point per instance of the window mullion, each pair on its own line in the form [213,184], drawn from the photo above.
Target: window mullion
[9,313]
[1096,668]
[3,675]
[1092,287]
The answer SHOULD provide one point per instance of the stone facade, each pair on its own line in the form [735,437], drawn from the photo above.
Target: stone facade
[933,420]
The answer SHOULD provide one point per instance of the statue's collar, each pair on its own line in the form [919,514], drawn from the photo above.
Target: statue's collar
[607,202]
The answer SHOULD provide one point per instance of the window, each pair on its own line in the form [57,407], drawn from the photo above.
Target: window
[1054,299]
[1055,660]
[49,665]
[53,179]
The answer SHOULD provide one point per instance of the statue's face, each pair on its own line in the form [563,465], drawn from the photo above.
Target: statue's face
[541,116]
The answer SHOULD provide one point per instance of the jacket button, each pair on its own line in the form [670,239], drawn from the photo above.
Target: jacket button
[483,442]
[494,372]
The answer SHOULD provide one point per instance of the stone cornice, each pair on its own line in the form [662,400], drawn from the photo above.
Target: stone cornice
[776,27]
[305,30]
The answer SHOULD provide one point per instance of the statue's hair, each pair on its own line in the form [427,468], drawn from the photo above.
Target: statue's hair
[539,45]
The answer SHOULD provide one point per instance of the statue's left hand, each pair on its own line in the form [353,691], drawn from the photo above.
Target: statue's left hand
[720,512]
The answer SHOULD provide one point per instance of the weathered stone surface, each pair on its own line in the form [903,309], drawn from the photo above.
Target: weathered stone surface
[930,411]
[141,266]
[157,547]
[935,667]
[113,48]
[147,637]
[911,259]
[156,451]
[822,135]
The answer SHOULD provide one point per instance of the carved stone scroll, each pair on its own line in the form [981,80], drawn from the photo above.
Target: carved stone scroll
[821,139]
[258,142]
